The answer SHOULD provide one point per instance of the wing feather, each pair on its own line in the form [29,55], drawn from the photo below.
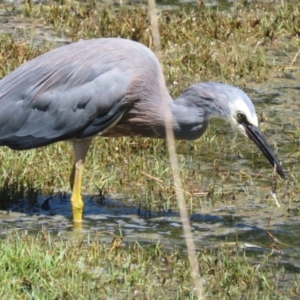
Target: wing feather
[75,91]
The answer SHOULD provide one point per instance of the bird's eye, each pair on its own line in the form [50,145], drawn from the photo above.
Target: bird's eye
[241,117]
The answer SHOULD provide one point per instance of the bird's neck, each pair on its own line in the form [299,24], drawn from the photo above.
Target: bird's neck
[189,123]
[147,118]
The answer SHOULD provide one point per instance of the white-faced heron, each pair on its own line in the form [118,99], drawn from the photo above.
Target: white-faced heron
[110,87]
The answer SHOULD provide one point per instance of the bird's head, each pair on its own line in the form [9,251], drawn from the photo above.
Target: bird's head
[234,106]
[240,112]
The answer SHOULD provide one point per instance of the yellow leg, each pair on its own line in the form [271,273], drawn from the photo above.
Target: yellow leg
[80,150]
[76,199]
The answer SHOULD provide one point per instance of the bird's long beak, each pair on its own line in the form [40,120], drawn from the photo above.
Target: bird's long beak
[257,137]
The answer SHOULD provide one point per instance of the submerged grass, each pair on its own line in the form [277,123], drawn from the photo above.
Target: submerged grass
[45,267]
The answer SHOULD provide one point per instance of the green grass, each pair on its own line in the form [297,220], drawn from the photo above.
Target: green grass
[45,267]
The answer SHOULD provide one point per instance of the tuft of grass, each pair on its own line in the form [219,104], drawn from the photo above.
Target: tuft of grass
[14,52]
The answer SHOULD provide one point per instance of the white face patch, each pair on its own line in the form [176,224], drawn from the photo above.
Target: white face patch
[237,126]
[240,106]
[241,129]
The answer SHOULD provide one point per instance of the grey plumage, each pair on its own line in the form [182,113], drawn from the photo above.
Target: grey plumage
[74,92]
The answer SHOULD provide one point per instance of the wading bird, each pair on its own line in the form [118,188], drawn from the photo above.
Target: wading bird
[110,87]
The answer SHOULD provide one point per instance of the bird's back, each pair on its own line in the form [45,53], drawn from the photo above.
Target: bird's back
[75,91]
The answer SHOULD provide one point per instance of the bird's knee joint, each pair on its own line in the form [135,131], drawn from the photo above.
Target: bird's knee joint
[79,164]
[77,202]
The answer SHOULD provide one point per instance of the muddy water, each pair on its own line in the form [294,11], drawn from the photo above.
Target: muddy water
[247,219]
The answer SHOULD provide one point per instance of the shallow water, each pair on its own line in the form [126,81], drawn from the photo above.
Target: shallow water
[249,219]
